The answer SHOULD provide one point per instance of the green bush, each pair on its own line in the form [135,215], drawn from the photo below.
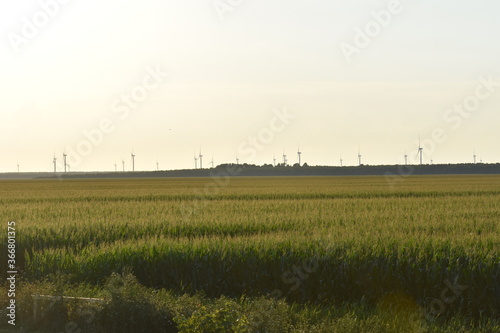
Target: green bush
[221,316]
[131,307]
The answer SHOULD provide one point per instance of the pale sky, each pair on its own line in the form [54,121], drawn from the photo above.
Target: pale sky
[66,67]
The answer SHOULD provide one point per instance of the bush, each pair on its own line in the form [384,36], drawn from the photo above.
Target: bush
[133,308]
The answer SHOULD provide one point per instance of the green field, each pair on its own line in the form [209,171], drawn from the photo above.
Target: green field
[346,254]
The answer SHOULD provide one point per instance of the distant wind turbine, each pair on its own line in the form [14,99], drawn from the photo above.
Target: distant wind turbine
[201,159]
[299,153]
[359,156]
[420,150]
[55,163]
[64,160]
[133,161]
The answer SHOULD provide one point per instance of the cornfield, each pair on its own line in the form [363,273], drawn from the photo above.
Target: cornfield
[326,241]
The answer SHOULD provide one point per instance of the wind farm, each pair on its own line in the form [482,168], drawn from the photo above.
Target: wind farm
[359,167]
[231,166]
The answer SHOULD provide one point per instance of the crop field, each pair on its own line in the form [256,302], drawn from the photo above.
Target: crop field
[331,254]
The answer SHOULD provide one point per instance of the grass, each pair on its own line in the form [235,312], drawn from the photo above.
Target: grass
[314,242]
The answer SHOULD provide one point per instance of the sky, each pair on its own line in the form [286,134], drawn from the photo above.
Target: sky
[245,79]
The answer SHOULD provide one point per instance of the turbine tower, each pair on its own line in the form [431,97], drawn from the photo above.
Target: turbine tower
[201,159]
[298,154]
[274,160]
[341,160]
[17,166]
[123,165]
[55,163]
[157,166]
[406,158]
[212,162]
[420,150]
[475,156]
[195,162]
[64,160]
[133,161]
[359,157]
[237,160]
[116,169]
[284,158]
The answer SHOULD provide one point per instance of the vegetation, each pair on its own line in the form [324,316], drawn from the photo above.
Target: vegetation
[330,254]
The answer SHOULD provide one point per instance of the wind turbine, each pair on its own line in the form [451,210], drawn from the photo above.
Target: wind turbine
[474,156]
[115,167]
[237,160]
[359,157]
[55,163]
[17,166]
[341,160]
[195,162]
[274,160]
[201,159]
[133,161]
[420,150]
[64,160]
[406,158]
[157,166]
[212,161]
[299,153]
[123,165]
[284,158]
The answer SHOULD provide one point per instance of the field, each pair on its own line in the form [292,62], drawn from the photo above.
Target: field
[346,254]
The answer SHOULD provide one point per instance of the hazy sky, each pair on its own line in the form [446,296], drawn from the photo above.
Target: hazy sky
[367,74]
